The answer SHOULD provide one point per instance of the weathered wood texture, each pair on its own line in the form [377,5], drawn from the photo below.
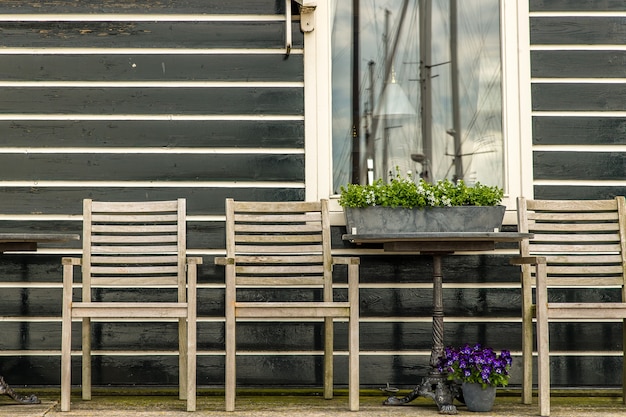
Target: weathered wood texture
[139,131]
[577,5]
[585,88]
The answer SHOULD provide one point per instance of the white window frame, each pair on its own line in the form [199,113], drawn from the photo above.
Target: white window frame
[517,122]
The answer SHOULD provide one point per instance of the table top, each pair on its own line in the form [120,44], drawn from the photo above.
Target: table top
[438,236]
[433,242]
[17,242]
[38,237]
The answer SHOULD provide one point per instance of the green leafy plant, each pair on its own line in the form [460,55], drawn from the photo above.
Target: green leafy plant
[407,193]
[476,364]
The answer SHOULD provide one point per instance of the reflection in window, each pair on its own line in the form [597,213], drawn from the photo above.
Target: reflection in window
[397,105]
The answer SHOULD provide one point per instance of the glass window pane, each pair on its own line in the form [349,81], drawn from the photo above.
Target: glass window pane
[435,111]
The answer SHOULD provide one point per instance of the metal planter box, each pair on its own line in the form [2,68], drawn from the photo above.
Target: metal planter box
[373,220]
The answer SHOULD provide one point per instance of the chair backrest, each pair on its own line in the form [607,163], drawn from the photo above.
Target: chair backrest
[583,241]
[134,245]
[285,243]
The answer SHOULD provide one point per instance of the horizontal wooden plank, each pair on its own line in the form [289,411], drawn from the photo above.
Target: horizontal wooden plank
[579,165]
[152,167]
[577,30]
[577,64]
[144,6]
[68,200]
[140,34]
[578,97]
[578,130]
[279,370]
[576,5]
[155,67]
[563,191]
[153,133]
[143,101]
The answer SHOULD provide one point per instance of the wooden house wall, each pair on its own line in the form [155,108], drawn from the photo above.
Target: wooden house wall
[578,84]
[139,100]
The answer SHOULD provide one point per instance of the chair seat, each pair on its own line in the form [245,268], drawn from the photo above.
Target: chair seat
[290,309]
[123,310]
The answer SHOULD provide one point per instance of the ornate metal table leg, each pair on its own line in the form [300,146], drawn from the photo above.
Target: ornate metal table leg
[435,385]
[7,390]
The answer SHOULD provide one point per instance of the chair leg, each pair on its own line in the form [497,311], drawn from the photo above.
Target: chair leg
[527,340]
[191,365]
[624,362]
[353,369]
[543,342]
[328,357]
[231,368]
[66,360]
[182,359]
[86,339]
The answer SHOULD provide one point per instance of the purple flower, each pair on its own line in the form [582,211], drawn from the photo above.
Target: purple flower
[475,363]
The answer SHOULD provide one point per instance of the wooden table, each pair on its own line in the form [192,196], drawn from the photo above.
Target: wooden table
[437,245]
[17,242]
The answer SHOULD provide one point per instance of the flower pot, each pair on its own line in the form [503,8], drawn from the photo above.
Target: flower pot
[478,399]
[373,220]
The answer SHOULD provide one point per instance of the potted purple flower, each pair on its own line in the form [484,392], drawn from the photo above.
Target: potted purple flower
[479,370]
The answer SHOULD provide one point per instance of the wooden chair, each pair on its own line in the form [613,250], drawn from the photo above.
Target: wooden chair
[130,246]
[287,244]
[576,245]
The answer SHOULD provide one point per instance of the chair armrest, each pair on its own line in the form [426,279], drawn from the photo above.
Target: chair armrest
[195,260]
[72,261]
[345,260]
[224,261]
[528,260]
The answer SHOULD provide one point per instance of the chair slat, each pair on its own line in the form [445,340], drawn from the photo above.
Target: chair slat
[133,218]
[597,258]
[585,269]
[573,217]
[256,249]
[570,205]
[271,269]
[276,207]
[273,281]
[572,227]
[137,260]
[133,249]
[149,239]
[574,248]
[278,228]
[134,282]
[585,282]
[278,239]
[153,228]
[576,237]
[134,269]
[279,217]
[280,259]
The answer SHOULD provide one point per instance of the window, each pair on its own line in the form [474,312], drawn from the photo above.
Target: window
[380,95]
[502,135]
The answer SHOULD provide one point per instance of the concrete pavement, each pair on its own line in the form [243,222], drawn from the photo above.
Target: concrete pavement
[146,403]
